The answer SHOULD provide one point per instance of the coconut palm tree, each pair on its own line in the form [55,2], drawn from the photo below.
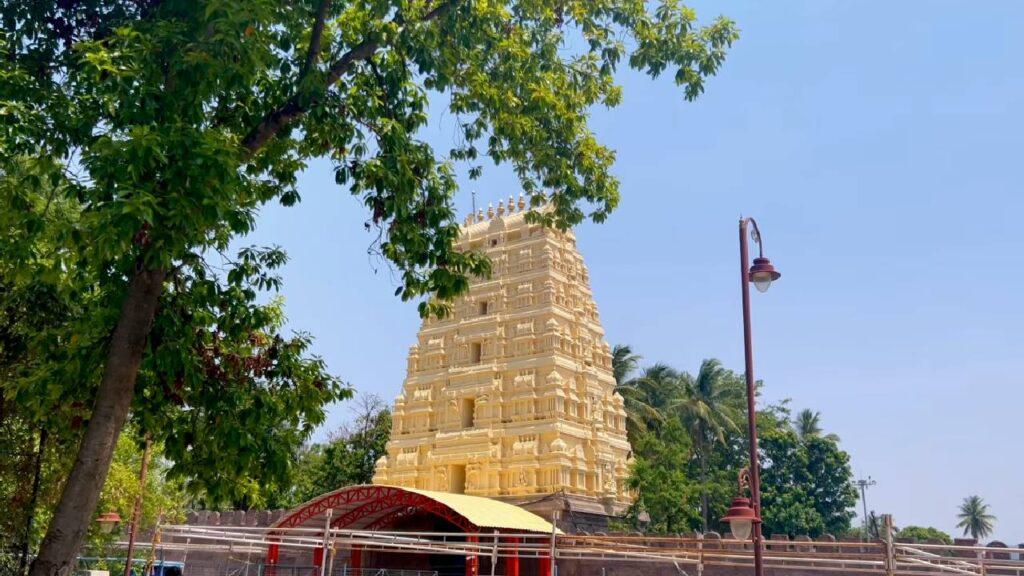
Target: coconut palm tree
[807,424]
[710,406]
[624,363]
[647,398]
[975,518]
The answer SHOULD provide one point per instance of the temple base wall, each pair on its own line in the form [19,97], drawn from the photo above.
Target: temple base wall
[576,514]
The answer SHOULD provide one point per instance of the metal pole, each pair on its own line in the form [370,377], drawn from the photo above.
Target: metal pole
[137,512]
[863,485]
[494,553]
[554,532]
[153,546]
[890,549]
[334,551]
[864,501]
[327,539]
[700,554]
[755,475]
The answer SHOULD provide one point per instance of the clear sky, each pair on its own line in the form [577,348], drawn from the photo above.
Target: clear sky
[879,145]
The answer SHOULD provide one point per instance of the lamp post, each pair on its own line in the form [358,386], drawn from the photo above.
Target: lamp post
[745,517]
[863,485]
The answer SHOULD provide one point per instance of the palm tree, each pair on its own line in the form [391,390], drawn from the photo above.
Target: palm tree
[624,363]
[647,398]
[710,406]
[807,424]
[975,518]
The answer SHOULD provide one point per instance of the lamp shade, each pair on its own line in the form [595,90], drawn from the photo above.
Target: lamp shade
[108,520]
[741,518]
[762,274]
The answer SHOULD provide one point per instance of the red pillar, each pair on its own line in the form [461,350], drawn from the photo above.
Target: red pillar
[472,560]
[272,555]
[513,561]
[545,566]
[318,556]
[357,558]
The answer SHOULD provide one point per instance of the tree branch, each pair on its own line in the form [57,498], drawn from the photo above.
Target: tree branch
[315,39]
[299,103]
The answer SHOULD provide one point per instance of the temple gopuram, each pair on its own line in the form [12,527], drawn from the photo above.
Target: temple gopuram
[512,396]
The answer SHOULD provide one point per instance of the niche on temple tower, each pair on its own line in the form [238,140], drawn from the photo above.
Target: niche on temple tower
[512,395]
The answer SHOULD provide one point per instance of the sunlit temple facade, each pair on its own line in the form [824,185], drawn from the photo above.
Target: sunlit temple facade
[512,395]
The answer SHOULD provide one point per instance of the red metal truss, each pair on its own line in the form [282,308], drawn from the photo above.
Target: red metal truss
[336,499]
[369,501]
[392,517]
[397,499]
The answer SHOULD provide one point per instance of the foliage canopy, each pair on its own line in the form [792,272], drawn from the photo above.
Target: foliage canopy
[690,446]
[163,126]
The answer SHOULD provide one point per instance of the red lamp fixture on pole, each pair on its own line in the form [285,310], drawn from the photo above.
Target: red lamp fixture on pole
[108,521]
[741,515]
[744,516]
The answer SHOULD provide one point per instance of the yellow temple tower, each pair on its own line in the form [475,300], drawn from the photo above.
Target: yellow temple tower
[512,396]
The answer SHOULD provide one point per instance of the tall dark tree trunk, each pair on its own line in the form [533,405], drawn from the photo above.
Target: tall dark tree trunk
[113,400]
[26,545]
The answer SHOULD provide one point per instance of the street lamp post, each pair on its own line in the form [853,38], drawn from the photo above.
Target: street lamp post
[761,274]
[864,485]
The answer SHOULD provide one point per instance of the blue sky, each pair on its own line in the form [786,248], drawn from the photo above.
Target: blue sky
[879,145]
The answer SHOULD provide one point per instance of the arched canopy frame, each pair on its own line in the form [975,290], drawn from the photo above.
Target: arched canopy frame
[372,507]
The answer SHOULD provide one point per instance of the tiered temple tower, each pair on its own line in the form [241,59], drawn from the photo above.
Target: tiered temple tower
[512,395]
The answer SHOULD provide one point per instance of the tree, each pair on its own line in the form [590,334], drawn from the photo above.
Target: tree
[349,457]
[924,533]
[215,359]
[807,424]
[710,406]
[624,363]
[171,123]
[163,497]
[975,518]
[663,491]
[806,486]
[346,458]
[647,399]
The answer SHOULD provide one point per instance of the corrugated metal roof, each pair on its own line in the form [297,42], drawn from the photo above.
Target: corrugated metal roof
[488,513]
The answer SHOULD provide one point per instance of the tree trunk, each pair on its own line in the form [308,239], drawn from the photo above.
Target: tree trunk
[113,400]
[30,520]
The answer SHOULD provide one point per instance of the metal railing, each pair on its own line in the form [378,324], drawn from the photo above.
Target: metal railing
[309,570]
[694,554]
